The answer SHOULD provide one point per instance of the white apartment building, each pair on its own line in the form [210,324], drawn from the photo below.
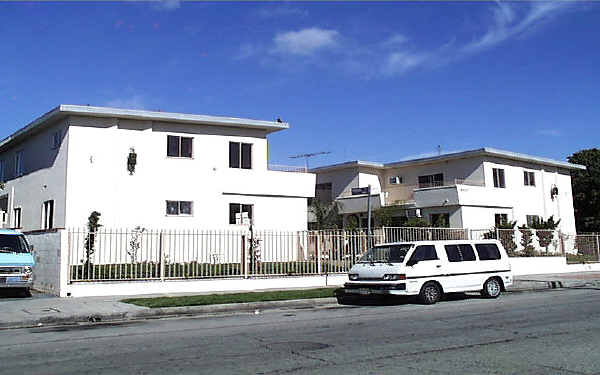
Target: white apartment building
[471,189]
[149,169]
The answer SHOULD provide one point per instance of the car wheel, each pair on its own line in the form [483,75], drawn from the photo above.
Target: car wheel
[492,288]
[430,293]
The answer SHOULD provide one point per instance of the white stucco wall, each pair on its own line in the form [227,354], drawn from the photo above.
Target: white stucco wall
[98,178]
[50,251]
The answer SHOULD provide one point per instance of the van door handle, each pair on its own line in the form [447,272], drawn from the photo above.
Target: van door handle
[439,266]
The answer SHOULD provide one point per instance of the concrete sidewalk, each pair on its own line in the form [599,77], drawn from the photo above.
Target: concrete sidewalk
[29,312]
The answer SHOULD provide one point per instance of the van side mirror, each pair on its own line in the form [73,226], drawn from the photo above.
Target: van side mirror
[31,247]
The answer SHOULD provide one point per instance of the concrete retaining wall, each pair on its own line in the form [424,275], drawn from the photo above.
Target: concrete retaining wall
[47,250]
[539,265]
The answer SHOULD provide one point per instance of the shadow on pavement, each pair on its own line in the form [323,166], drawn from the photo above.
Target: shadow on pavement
[388,300]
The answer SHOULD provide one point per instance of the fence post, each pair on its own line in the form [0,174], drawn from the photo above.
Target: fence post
[597,248]
[244,259]
[161,250]
[318,253]
[497,234]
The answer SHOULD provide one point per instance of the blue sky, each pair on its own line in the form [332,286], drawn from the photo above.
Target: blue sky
[369,81]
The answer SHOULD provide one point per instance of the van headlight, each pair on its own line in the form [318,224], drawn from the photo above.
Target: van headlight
[27,269]
[353,276]
[394,276]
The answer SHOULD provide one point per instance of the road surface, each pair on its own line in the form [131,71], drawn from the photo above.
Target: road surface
[555,332]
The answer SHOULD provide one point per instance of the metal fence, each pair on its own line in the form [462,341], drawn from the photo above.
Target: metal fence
[141,254]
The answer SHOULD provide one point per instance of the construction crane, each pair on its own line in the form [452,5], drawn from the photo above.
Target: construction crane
[310,155]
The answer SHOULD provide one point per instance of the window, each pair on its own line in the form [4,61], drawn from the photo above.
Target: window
[440,220]
[532,220]
[323,192]
[487,251]
[240,155]
[179,147]
[460,253]
[500,219]
[2,170]
[48,212]
[499,178]
[528,178]
[395,180]
[17,217]
[423,252]
[55,140]
[175,208]
[431,180]
[238,212]
[19,164]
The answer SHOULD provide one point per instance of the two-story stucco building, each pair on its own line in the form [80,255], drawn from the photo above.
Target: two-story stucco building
[471,189]
[149,169]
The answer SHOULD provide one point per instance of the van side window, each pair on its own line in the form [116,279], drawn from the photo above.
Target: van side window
[424,252]
[460,253]
[487,251]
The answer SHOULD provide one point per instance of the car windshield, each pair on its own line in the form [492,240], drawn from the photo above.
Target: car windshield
[386,254]
[13,244]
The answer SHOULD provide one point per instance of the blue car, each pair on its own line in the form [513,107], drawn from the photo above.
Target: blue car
[16,261]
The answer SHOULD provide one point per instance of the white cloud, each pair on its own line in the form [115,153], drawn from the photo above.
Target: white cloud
[402,61]
[132,102]
[305,41]
[395,40]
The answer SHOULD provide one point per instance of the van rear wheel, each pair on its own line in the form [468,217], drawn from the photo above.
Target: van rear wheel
[430,293]
[491,288]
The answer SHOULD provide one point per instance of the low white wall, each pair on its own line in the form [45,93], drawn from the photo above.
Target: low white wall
[541,265]
[47,252]
[199,286]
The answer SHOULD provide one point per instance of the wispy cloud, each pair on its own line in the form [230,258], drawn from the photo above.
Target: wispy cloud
[305,41]
[274,11]
[399,54]
[549,132]
[132,102]
[167,4]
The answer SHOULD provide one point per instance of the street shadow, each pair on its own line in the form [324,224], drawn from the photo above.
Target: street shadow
[389,300]
[13,293]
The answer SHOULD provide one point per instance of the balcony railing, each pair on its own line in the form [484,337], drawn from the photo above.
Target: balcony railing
[287,168]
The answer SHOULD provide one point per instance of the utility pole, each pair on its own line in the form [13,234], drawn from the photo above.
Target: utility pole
[309,155]
[369,210]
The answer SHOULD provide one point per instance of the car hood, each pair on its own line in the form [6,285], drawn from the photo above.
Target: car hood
[375,270]
[16,259]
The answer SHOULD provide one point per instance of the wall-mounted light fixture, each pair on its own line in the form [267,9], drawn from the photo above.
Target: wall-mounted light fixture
[131,161]
[553,192]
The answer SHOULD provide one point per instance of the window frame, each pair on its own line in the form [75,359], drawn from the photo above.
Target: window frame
[489,245]
[531,219]
[180,147]
[2,170]
[499,177]
[242,163]
[179,210]
[460,252]
[48,214]
[240,206]
[18,216]
[19,165]
[414,253]
[503,219]
[529,178]
[430,180]
[55,140]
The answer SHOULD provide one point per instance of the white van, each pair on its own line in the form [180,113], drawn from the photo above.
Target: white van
[431,268]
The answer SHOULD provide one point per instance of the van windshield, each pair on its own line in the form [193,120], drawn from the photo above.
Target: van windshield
[386,254]
[13,244]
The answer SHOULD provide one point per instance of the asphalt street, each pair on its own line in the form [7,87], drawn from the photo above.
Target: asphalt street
[554,332]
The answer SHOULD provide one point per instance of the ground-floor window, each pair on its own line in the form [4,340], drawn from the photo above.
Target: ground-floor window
[17,217]
[440,220]
[532,220]
[240,213]
[48,215]
[178,208]
[500,219]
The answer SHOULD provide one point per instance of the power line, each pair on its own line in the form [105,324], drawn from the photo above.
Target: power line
[309,155]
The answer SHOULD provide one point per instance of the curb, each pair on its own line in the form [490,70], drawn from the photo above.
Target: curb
[164,312]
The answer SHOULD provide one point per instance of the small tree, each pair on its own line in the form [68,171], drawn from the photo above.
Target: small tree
[326,215]
[416,222]
[527,241]
[384,216]
[544,231]
[135,242]
[90,240]
[505,233]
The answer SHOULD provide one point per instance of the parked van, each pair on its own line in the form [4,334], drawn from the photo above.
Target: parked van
[431,268]
[16,261]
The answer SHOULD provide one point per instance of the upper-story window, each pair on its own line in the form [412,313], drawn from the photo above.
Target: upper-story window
[240,155]
[2,170]
[323,192]
[48,215]
[395,180]
[528,178]
[55,140]
[179,147]
[19,164]
[431,180]
[179,208]
[499,178]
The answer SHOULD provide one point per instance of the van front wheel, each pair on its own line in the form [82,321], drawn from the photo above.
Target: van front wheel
[491,288]
[430,293]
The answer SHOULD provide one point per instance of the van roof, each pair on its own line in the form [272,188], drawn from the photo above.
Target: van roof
[10,232]
[450,242]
